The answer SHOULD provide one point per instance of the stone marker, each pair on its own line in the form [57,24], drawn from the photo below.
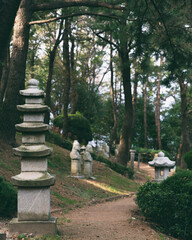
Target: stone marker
[88,161]
[138,161]
[34,181]
[132,152]
[75,159]
[162,165]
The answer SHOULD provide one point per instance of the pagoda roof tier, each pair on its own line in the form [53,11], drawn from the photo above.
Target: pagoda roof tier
[33,179]
[32,127]
[32,108]
[40,150]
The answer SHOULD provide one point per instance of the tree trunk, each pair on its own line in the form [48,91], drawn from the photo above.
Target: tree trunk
[113,133]
[52,55]
[74,94]
[134,102]
[66,78]
[16,77]
[145,114]
[157,109]
[8,10]
[184,141]
[4,77]
[123,155]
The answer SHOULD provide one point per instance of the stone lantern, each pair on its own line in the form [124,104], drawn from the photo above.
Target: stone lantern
[162,165]
[34,181]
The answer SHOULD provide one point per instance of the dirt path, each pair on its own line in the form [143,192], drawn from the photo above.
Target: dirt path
[115,220]
[109,221]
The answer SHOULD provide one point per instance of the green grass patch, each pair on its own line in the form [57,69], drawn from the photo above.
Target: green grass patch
[117,182]
[65,200]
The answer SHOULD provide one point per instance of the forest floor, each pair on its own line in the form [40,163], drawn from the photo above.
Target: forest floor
[90,209]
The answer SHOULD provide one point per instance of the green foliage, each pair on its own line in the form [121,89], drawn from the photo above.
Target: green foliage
[126,171]
[8,199]
[188,159]
[78,127]
[169,203]
[57,139]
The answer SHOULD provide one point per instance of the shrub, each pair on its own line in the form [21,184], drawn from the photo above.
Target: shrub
[169,203]
[78,127]
[8,199]
[57,139]
[126,171]
[188,159]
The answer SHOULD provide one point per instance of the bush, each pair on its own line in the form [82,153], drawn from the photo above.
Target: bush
[126,171]
[8,199]
[57,139]
[169,203]
[188,159]
[78,127]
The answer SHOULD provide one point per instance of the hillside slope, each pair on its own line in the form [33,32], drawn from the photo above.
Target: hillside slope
[69,191]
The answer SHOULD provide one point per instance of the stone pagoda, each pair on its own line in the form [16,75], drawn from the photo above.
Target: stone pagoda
[162,165]
[34,181]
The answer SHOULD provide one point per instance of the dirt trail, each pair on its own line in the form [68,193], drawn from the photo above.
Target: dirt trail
[116,220]
[107,221]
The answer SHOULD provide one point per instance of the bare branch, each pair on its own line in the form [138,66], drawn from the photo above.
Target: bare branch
[101,81]
[74,3]
[106,40]
[75,14]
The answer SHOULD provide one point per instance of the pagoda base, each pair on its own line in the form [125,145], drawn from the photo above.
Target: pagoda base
[38,228]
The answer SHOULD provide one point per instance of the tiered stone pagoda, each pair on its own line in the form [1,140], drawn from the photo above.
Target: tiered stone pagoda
[34,181]
[162,165]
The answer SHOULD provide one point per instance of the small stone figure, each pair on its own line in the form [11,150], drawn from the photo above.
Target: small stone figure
[162,165]
[75,159]
[88,161]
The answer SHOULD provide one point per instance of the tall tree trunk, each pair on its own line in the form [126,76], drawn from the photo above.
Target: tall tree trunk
[66,78]
[4,77]
[157,109]
[134,102]
[145,113]
[184,141]
[74,94]
[52,55]
[16,77]
[113,133]
[123,155]
[8,10]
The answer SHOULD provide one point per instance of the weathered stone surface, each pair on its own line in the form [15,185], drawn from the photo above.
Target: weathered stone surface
[75,159]
[35,165]
[32,117]
[162,161]
[32,90]
[40,150]
[75,167]
[33,179]
[37,138]
[36,100]
[32,108]
[32,127]
[36,227]
[33,204]
[162,165]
